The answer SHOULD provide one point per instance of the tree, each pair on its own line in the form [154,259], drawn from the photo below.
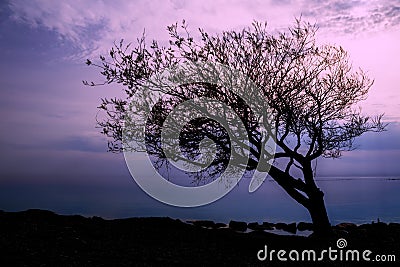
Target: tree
[311,90]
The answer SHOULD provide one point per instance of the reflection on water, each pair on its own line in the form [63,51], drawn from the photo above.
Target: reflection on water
[353,199]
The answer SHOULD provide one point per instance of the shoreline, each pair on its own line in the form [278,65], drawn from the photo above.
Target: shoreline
[40,237]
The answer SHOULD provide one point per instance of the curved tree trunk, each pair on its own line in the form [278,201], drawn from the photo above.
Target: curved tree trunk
[318,213]
[316,204]
[307,194]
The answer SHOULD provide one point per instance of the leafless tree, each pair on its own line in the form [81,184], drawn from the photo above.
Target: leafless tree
[311,90]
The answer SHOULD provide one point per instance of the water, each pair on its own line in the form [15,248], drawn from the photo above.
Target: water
[348,199]
[362,199]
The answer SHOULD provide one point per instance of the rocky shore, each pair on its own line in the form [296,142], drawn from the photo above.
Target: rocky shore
[43,238]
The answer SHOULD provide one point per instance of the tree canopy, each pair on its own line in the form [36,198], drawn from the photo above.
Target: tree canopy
[312,91]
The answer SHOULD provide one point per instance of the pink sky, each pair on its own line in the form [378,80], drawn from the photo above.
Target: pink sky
[49,116]
[68,32]
[369,30]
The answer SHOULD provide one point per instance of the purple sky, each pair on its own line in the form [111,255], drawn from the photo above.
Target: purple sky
[48,135]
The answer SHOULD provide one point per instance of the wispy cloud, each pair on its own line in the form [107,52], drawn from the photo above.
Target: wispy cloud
[93,26]
[354,16]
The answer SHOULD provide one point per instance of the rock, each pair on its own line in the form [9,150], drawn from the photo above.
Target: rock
[280,226]
[359,233]
[394,225]
[253,226]
[238,226]
[268,226]
[179,221]
[40,213]
[97,219]
[379,225]
[365,226]
[256,227]
[340,233]
[346,226]
[291,228]
[260,227]
[305,226]
[219,225]
[204,223]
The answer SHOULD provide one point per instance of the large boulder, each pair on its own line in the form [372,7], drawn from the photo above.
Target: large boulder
[291,227]
[238,226]
[255,226]
[305,226]
[268,226]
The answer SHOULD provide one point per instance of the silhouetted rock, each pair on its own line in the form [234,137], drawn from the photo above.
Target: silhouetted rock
[268,226]
[219,225]
[30,239]
[238,226]
[204,223]
[291,228]
[40,213]
[379,224]
[305,226]
[255,226]
[346,226]
[365,226]
[97,219]
[394,225]
[339,233]
[280,226]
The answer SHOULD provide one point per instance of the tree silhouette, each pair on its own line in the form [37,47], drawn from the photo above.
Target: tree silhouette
[310,89]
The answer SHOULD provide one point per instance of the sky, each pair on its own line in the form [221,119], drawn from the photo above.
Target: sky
[54,157]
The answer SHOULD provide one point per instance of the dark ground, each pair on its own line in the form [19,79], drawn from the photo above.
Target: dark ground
[42,238]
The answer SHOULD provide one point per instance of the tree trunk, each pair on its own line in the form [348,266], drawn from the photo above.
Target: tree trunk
[313,201]
[319,215]
[316,204]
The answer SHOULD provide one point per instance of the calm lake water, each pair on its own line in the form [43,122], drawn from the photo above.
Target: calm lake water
[353,199]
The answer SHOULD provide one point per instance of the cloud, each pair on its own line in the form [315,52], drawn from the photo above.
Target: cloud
[61,17]
[354,16]
[92,27]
